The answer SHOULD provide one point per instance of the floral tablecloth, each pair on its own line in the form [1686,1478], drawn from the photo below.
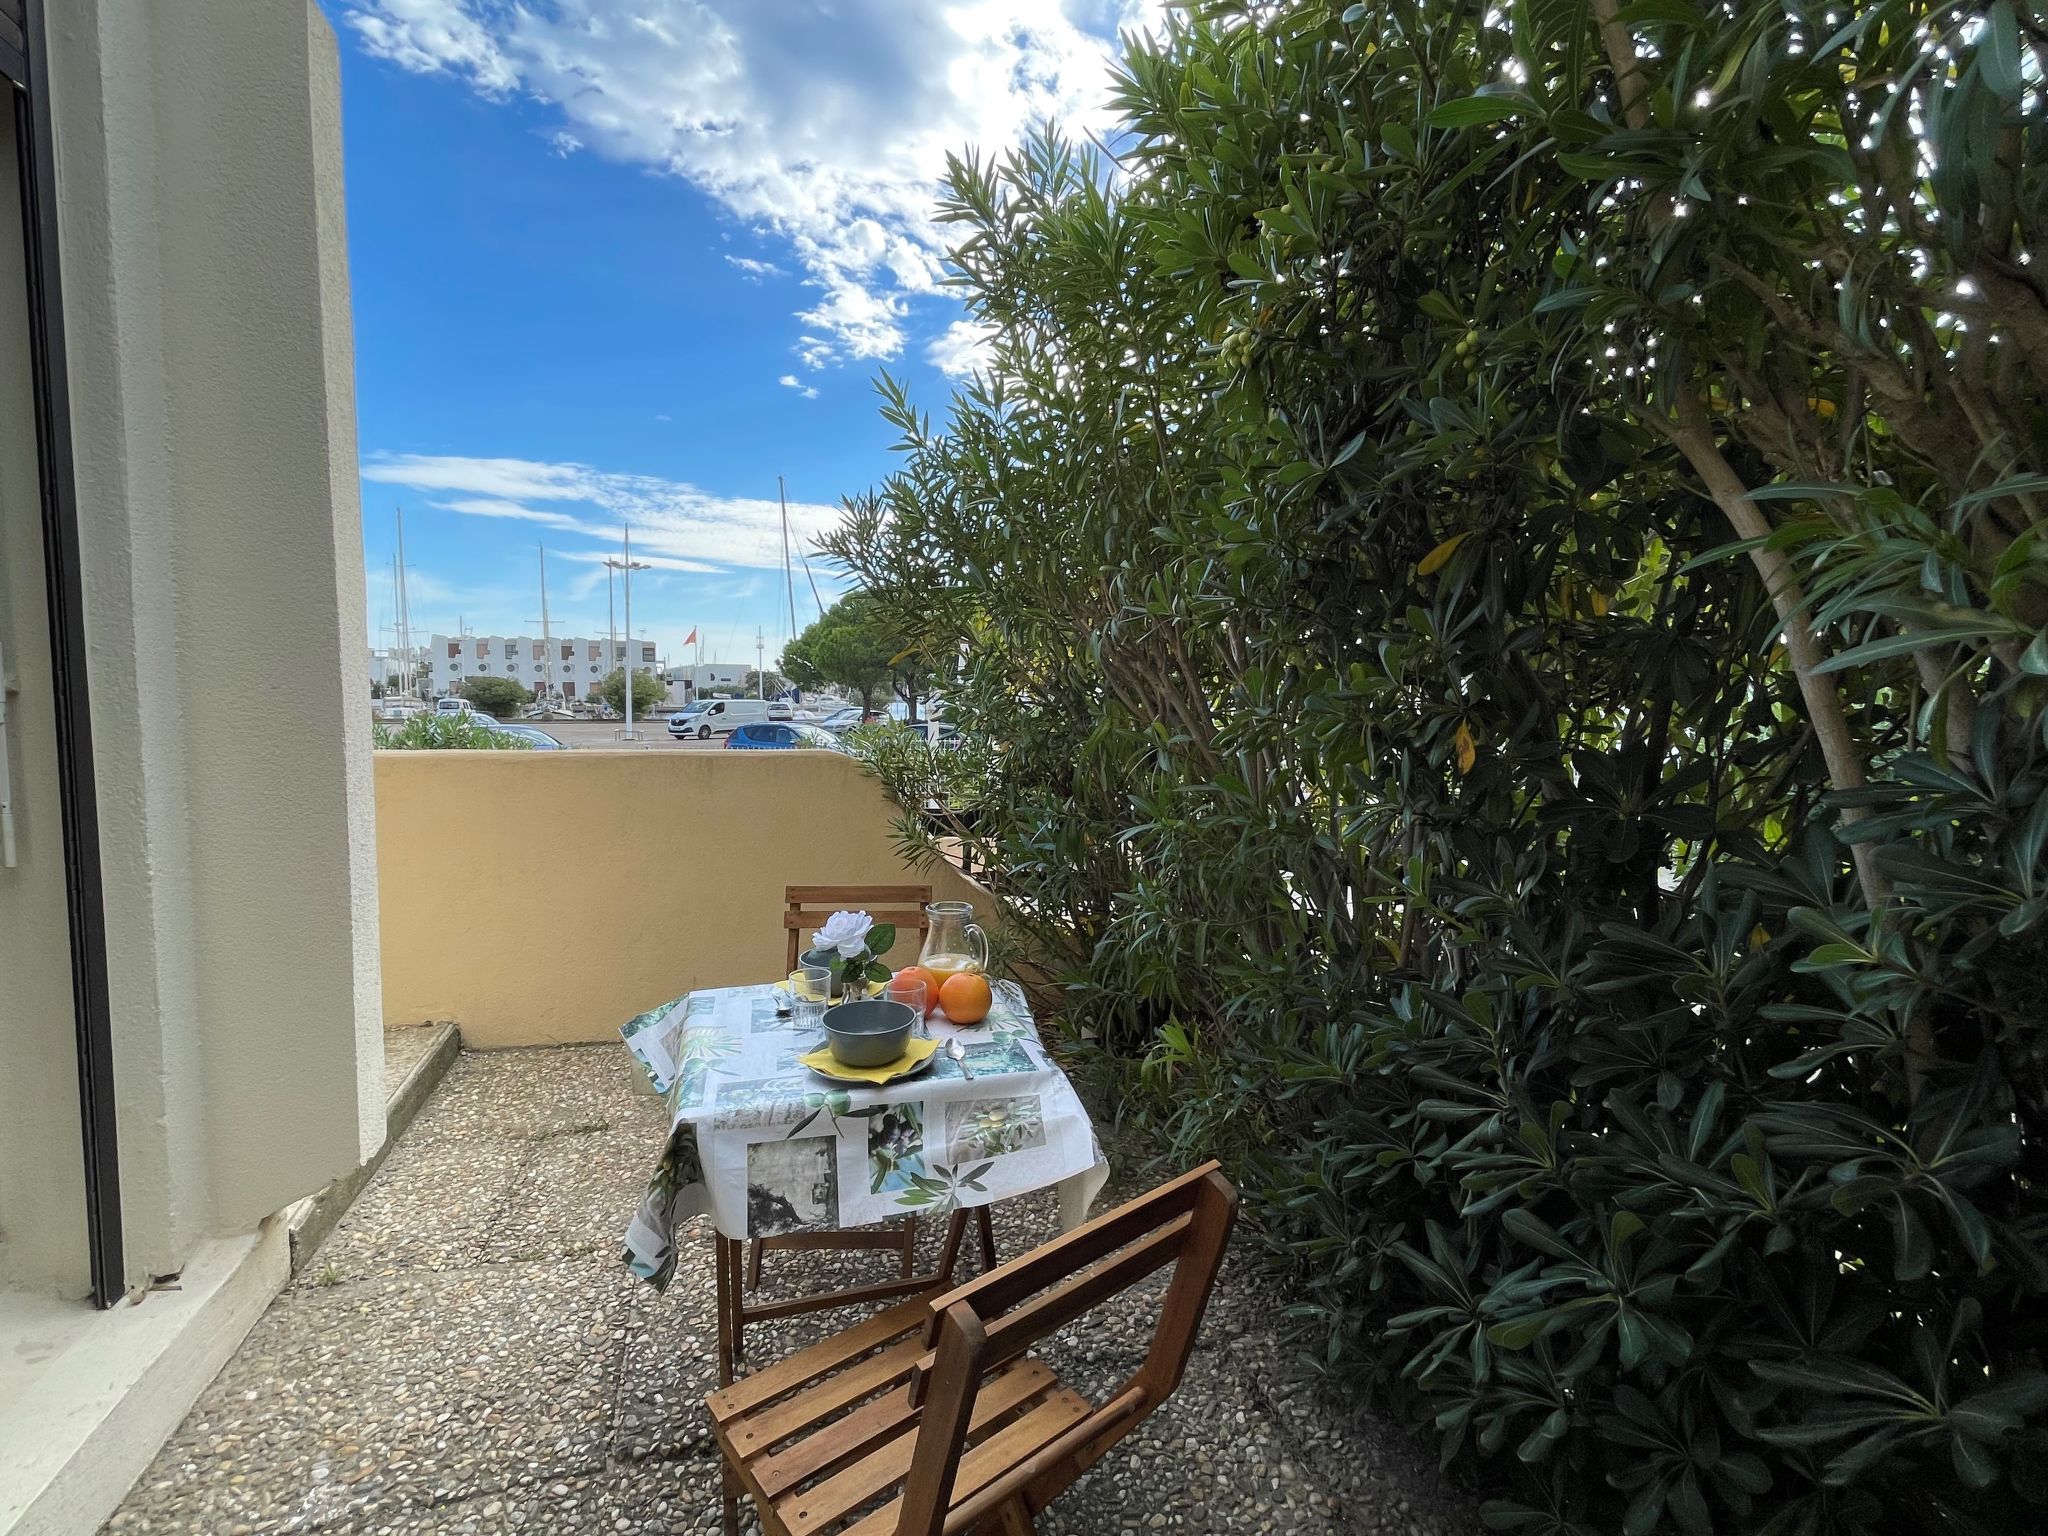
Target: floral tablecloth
[767,1147]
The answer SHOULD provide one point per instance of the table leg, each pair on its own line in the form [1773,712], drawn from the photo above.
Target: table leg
[729,1325]
[988,1238]
[956,1229]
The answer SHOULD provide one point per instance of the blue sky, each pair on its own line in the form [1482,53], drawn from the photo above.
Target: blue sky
[629,260]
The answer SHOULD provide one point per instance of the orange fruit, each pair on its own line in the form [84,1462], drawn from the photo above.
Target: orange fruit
[931,983]
[965,997]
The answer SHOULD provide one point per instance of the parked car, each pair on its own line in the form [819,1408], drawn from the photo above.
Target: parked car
[451,705]
[775,736]
[532,735]
[846,719]
[718,717]
[818,738]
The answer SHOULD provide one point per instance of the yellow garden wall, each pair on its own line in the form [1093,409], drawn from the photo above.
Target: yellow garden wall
[539,897]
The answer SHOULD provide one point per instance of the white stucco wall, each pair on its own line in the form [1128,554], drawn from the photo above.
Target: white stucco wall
[198,157]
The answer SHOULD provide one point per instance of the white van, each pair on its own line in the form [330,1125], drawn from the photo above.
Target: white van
[718,717]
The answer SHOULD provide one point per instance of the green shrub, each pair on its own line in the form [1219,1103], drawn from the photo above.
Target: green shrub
[499,696]
[650,693]
[1511,608]
[444,733]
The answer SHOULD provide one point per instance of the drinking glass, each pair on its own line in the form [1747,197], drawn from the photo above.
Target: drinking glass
[910,990]
[810,989]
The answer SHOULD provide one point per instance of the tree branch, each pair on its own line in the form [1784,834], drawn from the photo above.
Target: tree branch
[1692,434]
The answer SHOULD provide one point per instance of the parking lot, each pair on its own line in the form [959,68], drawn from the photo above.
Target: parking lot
[652,735]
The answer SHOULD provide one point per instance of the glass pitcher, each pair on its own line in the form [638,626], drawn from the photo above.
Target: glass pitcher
[953,942]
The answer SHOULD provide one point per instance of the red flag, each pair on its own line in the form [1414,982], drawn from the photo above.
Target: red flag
[691,638]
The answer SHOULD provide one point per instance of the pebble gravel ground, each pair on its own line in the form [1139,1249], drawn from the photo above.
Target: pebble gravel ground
[467,1354]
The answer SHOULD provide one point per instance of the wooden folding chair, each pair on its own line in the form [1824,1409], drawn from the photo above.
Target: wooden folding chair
[806,908]
[932,1417]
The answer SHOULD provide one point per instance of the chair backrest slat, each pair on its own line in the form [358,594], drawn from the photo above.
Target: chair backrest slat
[829,895]
[983,1325]
[1008,1284]
[807,906]
[1015,1331]
[907,917]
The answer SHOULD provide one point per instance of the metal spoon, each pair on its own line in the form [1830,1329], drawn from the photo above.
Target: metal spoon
[959,1057]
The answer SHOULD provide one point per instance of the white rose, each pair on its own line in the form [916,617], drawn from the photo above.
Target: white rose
[846,932]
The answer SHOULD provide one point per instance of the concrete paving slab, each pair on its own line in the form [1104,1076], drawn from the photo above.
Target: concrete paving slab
[349,1403]
[467,1355]
[427,1210]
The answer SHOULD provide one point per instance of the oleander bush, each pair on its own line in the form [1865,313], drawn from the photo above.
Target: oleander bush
[444,733]
[1498,550]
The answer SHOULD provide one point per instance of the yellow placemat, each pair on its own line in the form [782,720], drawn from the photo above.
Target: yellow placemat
[823,1059]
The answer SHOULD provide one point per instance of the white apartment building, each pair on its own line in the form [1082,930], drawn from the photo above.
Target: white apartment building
[573,664]
[387,661]
[708,677]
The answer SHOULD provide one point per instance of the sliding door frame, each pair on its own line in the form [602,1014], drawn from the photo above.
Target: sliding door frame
[24,70]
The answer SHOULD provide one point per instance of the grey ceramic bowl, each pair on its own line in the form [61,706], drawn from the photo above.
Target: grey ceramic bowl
[870,1033]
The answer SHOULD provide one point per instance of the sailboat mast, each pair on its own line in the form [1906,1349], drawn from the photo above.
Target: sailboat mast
[547,642]
[788,577]
[397,659]
[404,614]
[632,655]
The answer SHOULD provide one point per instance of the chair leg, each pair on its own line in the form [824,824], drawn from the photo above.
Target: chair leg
[732,1492]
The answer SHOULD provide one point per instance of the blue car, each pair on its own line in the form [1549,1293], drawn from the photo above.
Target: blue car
[770,736]
[532,735]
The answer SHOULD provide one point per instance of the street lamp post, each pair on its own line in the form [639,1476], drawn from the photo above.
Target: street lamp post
[628,565]
[760,652]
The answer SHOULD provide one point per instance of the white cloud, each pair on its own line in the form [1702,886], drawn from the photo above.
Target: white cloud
[654,562]
[756,270]
[791,381]
[824,126]
[483,506]
[512,480]
[669,518]
[433,36]
[960,348]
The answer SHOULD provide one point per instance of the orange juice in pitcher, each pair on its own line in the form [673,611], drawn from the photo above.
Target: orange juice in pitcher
[954,942]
